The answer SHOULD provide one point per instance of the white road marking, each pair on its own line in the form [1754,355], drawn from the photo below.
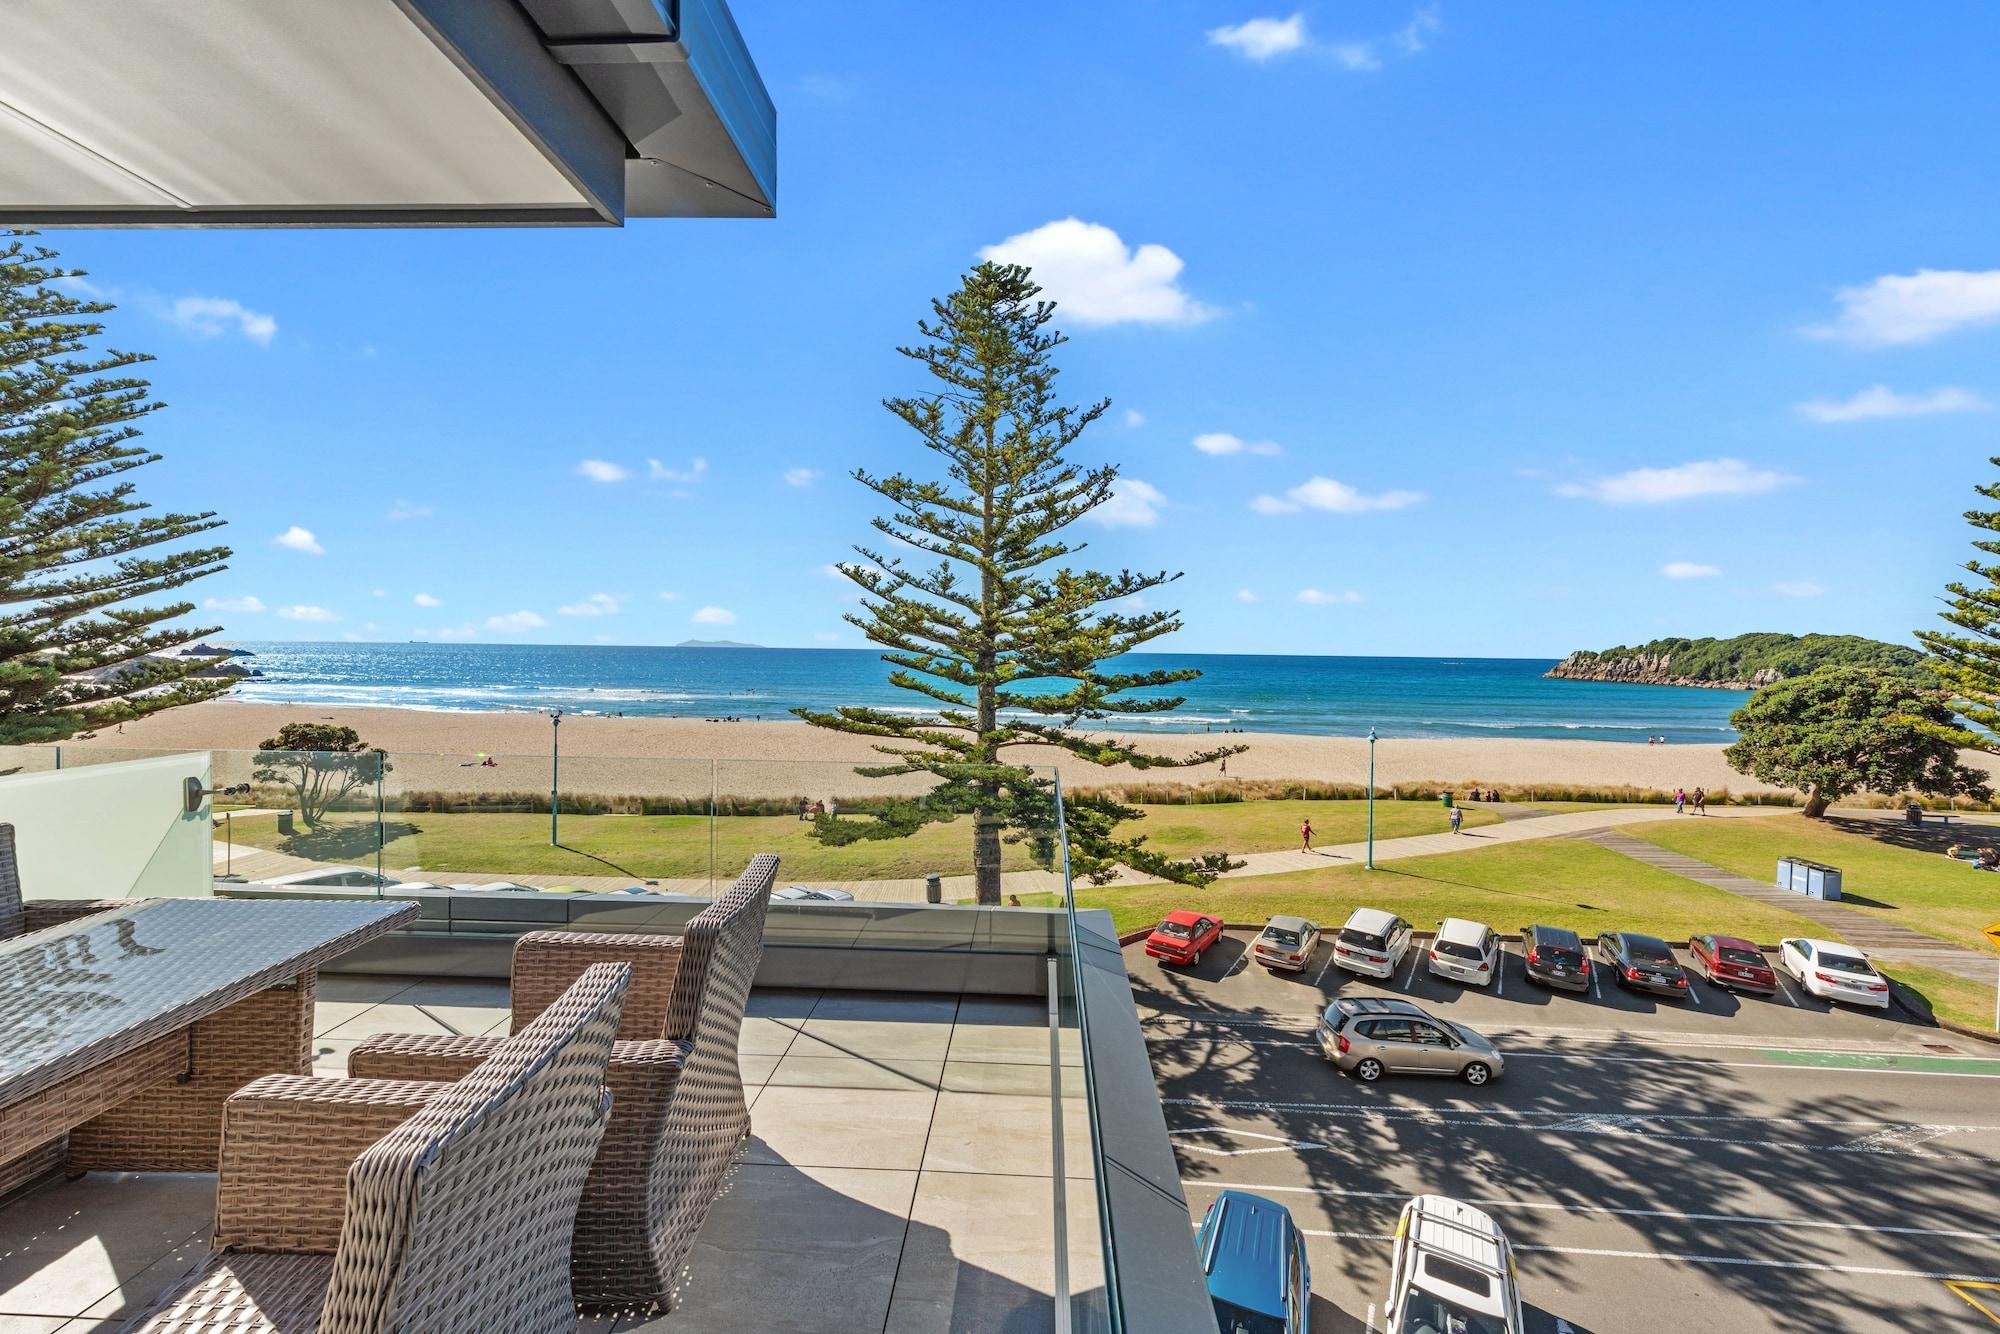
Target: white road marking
[1370,1326]
[1500,973]
[1322,968]
[1557,1206]
[1412,976]
[1694,995]
[1595,994]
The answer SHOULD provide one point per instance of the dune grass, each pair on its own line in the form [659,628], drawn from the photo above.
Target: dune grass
[1923,890]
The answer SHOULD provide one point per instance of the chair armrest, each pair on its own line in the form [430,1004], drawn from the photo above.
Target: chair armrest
[287,1142]
[40,914]
[546,963]
[418,1056]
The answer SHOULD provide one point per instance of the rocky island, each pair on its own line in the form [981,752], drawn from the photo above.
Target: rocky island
[1743,662]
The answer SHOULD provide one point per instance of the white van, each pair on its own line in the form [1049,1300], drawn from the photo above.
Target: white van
[1466,952]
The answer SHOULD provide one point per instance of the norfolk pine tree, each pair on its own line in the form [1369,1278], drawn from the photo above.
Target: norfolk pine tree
[996,613]
[1967,659]
[76,548]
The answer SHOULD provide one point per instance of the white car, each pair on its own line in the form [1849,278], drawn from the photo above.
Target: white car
[1287,942]
[1834,972]
[810,894]
[1466,952]
[1372,943]
[1452,1272]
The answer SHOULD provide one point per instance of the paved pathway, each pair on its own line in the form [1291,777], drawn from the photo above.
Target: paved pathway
[1863,930]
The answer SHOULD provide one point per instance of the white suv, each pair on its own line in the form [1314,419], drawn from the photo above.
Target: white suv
[1466,952]
[1452,1273]
[1372,943]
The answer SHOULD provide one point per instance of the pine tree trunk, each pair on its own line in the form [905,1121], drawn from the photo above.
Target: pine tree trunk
[1816,804]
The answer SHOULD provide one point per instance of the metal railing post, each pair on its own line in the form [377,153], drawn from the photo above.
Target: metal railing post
[1058,1170]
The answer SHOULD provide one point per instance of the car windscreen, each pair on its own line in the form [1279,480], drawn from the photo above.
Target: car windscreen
[1649,951]
[1748,958]
[1559,954]
[1844,963]
[1458,950]
[1426,1314]
[1361,939]
[1235,1320]
[1178,930]
[1277,935]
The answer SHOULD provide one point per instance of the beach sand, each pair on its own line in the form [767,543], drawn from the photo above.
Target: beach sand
[673,756]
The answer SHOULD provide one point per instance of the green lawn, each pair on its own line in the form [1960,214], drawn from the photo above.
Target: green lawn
[1949,995]
[1924,891]
[642,846]
[1555,881]
[1238,827]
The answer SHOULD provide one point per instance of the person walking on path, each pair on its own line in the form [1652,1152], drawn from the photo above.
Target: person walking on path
[1306,835]
[1700,801]
[1680,801]
[1457,819]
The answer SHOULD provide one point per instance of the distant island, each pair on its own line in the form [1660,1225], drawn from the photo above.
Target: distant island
[714,643]
[1744,662]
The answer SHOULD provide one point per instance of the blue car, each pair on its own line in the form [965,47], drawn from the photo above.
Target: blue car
[1255,1260]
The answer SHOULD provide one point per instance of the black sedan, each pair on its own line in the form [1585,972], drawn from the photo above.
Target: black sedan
[1642,963]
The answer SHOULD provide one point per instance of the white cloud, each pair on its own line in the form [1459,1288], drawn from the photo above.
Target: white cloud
[1410,38]
[597,604]
[1913,307]
[308,612]
[1797,590]
[1134,419]
[670,597]
[1882,401]
[426,600]
[1313,597]
[660,472]
[1221,442]
[599,470]
[1097,279]
[1685,481]
[212,315]
[714,616]
[801,476]
[247,604]
[403,509]
[378,592]
[296,538]
[1133,504]
[515,621]
[1356,56]
[1687,569]
[1245,595]
[1323,493]
[1261,39]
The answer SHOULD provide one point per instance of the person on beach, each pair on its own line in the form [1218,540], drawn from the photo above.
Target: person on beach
[1700,801]
[1680,801]
[1225,766]
[1457,819]
[1306,835]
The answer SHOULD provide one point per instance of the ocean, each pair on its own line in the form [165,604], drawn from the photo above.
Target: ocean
[1325,696]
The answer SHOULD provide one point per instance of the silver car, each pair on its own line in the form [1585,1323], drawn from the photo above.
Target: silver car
[1288,943]
[1369,1037]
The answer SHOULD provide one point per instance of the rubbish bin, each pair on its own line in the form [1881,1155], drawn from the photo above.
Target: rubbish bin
[284,822]
[1813,879]
[933,888]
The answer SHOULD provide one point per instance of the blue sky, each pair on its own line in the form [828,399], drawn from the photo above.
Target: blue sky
[1456,329]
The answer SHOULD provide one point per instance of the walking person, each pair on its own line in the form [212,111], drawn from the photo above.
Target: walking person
[1457,819]
[1306,835]
[1680,801]
[1700,801]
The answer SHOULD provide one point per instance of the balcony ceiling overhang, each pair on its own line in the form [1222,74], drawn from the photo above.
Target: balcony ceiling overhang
[219,113]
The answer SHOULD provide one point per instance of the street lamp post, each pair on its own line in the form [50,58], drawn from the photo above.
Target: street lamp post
[1371,798]
[555,772]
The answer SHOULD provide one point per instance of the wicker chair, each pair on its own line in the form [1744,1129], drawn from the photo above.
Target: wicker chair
[352,1206]
[17,918]
[679,1114]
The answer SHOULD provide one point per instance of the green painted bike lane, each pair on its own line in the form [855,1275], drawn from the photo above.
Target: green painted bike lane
[1913,1064]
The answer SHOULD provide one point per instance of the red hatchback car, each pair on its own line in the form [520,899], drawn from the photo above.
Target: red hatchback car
[1734,963]
[1182,937]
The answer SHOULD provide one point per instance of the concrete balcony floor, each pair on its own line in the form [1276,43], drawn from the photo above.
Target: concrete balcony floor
[898,1178]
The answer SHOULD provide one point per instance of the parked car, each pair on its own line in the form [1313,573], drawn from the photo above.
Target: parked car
[1642,963]
[1733,963]
[1372,943]
[1183,936]
[1452,1272]
[1465,952]
[1255,1260]
[1369,1036]
[1287,942]
[1834,972]
[1555,957]
[810,894]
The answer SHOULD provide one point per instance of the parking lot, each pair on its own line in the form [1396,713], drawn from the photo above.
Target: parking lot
[1726,1163]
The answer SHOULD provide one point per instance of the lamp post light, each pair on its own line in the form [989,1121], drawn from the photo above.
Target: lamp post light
[555,772]
[1371,799]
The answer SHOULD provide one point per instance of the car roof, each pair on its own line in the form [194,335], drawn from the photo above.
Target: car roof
[1556,934]
[1733,943]
[1638,938]
[1457,1231]
[1459,930]
[1833,945]
[1184,917]
[1364,1005]
[1287,922]
[1372,920]
[1245,1253]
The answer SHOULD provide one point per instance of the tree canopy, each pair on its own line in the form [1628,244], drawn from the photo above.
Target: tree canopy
[78,550]
[1842,730]
[1966,657]
[1009,646]
[323,764]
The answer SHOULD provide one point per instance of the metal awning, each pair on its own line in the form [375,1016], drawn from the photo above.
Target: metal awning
[217,113]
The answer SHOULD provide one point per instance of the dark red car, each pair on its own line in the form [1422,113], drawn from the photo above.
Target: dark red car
[1183,936]
[1733,963]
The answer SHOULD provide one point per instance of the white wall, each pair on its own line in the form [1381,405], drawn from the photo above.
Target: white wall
[111,830]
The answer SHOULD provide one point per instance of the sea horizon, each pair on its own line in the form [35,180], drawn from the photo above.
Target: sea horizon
[1313,695]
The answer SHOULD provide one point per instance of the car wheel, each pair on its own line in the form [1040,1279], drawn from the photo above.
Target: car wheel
[1196,961]
[1476,1073]
[1368,1070]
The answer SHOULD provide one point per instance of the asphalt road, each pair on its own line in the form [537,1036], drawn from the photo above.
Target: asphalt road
[1723,1163]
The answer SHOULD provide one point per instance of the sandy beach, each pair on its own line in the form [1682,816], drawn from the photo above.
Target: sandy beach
[437,750]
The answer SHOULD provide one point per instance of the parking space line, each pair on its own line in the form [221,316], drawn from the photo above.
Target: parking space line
[1595,994]
[1322,969]
[1785,984]
[1500,973]
[1412,977]
[1558,1206]
[1694,995]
